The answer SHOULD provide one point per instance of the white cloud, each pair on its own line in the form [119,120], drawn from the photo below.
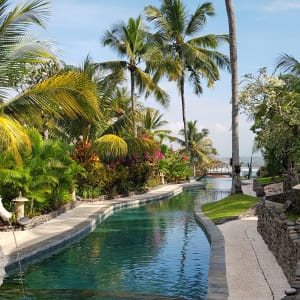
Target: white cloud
[280,5]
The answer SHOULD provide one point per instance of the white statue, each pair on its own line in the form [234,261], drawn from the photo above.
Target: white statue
[4,214]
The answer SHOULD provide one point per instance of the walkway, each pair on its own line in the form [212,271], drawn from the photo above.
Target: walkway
[252,270]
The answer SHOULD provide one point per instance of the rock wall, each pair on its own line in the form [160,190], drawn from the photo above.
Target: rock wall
[283,239]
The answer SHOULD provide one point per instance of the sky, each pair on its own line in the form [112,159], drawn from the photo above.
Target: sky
[265,30]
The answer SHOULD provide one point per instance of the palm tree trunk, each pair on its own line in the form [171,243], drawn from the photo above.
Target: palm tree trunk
[132,97]
[236,179]
[184,112]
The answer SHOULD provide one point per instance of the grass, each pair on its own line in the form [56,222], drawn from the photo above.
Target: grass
[268,180]
[292,215]
[230,206]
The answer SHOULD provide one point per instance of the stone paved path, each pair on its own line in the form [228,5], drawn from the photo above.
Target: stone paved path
[252,270]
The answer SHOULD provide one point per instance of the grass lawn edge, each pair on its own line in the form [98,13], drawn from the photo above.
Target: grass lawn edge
[229,207]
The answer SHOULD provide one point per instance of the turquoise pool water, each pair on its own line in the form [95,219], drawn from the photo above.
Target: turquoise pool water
[153,252]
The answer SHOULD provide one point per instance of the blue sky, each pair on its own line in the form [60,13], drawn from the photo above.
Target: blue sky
[266,29]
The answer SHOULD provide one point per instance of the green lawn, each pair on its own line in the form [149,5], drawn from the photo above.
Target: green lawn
[268,180]
[292,215]
[230,206]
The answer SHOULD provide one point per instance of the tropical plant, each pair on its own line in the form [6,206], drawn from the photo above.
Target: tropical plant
[289,65]
[236,180]
[133,42]
[174,166]
[63,94]
[200,146]
[196,58]
[47,175]
[151,122]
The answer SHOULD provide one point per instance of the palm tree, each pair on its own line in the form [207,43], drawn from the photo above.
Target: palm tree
[151,123]
[199,145]
[133,42]
[69,93]
[289,64]
[196,57]
[236,168]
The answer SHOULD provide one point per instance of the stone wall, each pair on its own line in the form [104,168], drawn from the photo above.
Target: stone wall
[283,239]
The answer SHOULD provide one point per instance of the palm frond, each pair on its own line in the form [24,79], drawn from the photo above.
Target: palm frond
[13,136]
[71,93]
[147,84]
[138,145]
[288,64]
[110,147]
[209,41]
[15,23]
[198,19]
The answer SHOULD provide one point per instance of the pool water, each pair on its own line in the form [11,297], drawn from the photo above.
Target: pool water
[156,251]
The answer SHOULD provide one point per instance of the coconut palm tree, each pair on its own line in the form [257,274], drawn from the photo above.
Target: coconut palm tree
[69,93]
[151,123]
[236,168]
[133,42]
[196,56]
[200,146]
[289,64]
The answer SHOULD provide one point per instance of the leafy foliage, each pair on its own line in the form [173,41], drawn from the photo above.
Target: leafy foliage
[187,56]
[47,176]
[273,103]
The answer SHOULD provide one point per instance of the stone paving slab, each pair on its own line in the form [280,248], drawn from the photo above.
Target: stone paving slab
[252,270]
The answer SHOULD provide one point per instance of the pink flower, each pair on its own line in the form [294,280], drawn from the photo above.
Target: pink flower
[112,165]
[157,155]
[121,160]
[144,135]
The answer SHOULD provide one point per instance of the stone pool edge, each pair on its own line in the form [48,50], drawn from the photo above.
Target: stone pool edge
[217,279]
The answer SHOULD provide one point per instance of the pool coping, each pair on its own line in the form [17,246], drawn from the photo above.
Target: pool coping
[217,278]
[34,251]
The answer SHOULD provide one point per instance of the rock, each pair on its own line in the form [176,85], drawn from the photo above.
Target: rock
[23,221]
[290,291]
[283,216]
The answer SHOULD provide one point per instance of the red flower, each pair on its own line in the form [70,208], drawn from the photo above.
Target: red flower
[112,165]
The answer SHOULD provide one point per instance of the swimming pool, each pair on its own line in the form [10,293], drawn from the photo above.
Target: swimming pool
[153,252]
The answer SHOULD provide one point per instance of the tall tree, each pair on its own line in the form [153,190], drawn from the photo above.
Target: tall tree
[236,169]
[133,42]
[196,57]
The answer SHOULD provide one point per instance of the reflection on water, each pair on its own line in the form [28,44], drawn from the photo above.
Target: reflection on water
[153,252]
[215,189]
